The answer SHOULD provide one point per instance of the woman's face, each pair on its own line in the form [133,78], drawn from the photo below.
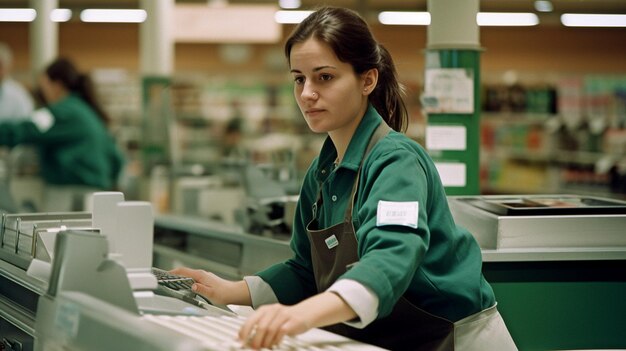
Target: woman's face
[329,93]
[51,90]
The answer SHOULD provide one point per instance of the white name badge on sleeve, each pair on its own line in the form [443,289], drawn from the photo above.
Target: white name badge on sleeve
[397,213]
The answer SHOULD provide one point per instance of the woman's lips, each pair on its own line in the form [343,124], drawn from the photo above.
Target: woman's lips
[313,112]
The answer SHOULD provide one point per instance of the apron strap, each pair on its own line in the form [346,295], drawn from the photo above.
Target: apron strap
[381,131]
[317,202]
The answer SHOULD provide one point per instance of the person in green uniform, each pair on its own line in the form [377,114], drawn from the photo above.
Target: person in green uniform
[77,154]
[377,254]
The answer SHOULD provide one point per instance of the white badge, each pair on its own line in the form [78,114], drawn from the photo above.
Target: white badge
[331,241]
[397,213]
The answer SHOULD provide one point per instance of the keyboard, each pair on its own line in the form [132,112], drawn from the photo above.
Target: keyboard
[220,333]
[172,281]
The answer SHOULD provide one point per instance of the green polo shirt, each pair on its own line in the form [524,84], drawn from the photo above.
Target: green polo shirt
[76,150]
[436,266]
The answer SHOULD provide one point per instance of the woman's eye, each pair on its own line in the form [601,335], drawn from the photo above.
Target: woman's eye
[298,80]
[325,77]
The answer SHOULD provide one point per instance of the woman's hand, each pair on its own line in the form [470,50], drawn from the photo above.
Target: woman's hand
[270,323]
[218,290]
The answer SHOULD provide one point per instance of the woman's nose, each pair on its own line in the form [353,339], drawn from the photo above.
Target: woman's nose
[309,93]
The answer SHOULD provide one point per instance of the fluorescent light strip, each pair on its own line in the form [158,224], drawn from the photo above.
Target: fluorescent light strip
[291,16]
[29,15]
[60,15]
[482,18]
[113,16]
[404,18]
[507,19]
[17,15]
[593,20]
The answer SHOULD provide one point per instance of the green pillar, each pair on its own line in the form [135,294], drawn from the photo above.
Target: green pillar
[451,96]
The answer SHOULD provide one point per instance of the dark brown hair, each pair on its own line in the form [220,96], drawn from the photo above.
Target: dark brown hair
[349,36]
[64,71]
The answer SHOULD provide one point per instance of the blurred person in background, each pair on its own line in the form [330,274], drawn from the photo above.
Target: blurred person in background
[77,154]
[15,100]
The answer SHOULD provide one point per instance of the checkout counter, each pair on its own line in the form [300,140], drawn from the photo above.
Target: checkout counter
[85,281]
[557,263]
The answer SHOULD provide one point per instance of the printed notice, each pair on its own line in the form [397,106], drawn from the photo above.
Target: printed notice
[448,90]
[452,174]
[446,138]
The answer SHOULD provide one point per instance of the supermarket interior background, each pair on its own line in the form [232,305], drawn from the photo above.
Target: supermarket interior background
[552,96]
[202,105]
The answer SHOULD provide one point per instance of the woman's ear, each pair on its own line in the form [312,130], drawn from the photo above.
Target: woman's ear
[370,79]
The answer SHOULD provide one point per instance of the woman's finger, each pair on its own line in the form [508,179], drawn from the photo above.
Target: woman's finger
[203,290]
[276,330]
[246,329]
[195,274]
[256,329]
[261,328]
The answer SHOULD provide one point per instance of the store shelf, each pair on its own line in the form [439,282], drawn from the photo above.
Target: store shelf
[580,147]
[553,156]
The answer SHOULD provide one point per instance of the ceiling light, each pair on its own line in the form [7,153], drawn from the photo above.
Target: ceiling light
[113,16]
[291,16]
[543,6]
[60,15]
[17,15]
[507,19]
[593,20]
[289,4]
[404,18]
[482,18]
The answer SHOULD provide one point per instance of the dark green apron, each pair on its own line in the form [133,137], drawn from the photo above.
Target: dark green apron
[407,327]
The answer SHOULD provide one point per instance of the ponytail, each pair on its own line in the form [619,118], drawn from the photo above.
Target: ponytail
[86,90]
[387,97]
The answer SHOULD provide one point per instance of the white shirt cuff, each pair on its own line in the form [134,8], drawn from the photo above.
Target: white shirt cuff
[43,119]
[261,293]
[360,298]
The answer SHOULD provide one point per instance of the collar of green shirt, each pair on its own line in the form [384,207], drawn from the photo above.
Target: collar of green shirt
[354,154]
